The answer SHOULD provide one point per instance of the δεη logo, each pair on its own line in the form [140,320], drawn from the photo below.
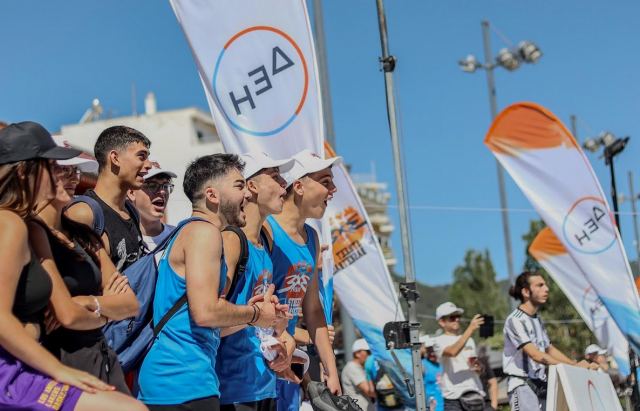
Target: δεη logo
[260,80]
[589,227]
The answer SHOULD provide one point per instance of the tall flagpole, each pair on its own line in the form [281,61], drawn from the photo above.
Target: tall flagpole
[409,287]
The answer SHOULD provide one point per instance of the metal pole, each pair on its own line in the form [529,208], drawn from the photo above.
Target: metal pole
[574,126]
[635,219]
[321,57]
[614,195]
[635,394]
[489,66]
[388,65]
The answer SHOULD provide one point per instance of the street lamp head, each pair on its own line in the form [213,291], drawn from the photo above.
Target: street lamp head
[607,138]
[470,64]
[591,144]
[529,52]
[508,59]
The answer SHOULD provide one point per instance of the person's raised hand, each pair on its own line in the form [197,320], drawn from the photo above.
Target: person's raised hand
[476,322]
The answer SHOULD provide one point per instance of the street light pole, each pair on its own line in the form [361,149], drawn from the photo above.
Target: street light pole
[489,66]
[635,219]
[410,293]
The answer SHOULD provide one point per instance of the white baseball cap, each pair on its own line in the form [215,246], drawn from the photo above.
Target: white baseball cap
[360,345]
[257,160]
[306,162]
[594,349]
[157,170]
[446,309]
[85,162]
[427,341]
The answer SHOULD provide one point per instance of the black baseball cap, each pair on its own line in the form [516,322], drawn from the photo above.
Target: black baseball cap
[29,140]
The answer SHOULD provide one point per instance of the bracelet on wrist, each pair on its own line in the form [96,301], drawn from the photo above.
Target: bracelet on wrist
[98,309]
[255,315]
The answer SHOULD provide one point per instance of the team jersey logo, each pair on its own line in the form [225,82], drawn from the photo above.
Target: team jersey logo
[262,283]
[295,286]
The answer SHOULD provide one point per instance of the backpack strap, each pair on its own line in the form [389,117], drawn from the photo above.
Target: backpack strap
[98,214]
[135,216]
[165,318]
[266,241]
[182,300]
[241,266]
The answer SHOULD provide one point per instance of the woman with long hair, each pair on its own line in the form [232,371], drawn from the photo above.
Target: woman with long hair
[31,378]
[77,262]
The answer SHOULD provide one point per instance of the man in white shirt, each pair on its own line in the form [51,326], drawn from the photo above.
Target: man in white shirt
[151,202]
[354,378]
[527,348]
[457,354]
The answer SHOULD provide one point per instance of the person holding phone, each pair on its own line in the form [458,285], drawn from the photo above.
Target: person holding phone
[461,386]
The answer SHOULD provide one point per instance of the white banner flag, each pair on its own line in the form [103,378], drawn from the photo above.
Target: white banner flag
[361,277]
[550,168]
[551,254]
[257,64]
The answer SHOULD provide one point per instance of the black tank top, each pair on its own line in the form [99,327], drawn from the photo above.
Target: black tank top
[125,238]
[33,292]
[82,276]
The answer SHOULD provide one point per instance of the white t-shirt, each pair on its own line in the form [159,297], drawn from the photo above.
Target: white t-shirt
[457,376]
[520,329]
[353,374]
[151,242]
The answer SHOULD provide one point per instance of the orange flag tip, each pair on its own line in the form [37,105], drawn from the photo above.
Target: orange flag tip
[527,126]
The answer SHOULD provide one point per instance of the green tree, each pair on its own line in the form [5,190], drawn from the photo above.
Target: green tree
[475,287]
[569,338]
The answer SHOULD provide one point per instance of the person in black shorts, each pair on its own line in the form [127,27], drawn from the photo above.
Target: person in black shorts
[75,253]
[123,161]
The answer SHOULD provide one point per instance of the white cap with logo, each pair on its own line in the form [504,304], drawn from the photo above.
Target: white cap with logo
[85,162]
[595,349]
[446,309]
[257,160]
[157,170]
[306,162]
[360,345]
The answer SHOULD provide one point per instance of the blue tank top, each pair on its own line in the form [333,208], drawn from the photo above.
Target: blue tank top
[293,266]
[180,366]
[239,358]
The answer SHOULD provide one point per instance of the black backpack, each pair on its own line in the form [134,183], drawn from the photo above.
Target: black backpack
[241,267]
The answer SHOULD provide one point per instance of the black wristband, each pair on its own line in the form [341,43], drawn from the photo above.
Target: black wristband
[255,315]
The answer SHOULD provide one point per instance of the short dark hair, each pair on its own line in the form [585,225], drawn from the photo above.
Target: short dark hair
[116,138]
[522,282]
[208,168]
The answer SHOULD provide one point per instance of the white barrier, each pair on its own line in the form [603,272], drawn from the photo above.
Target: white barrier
[578,389]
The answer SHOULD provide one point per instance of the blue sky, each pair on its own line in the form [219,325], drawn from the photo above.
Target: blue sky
[58,56]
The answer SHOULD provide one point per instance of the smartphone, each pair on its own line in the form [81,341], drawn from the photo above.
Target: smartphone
[487,329]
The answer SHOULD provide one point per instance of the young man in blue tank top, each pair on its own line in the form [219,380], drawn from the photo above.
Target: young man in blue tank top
[240,357]
[295,253]
[178,373]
